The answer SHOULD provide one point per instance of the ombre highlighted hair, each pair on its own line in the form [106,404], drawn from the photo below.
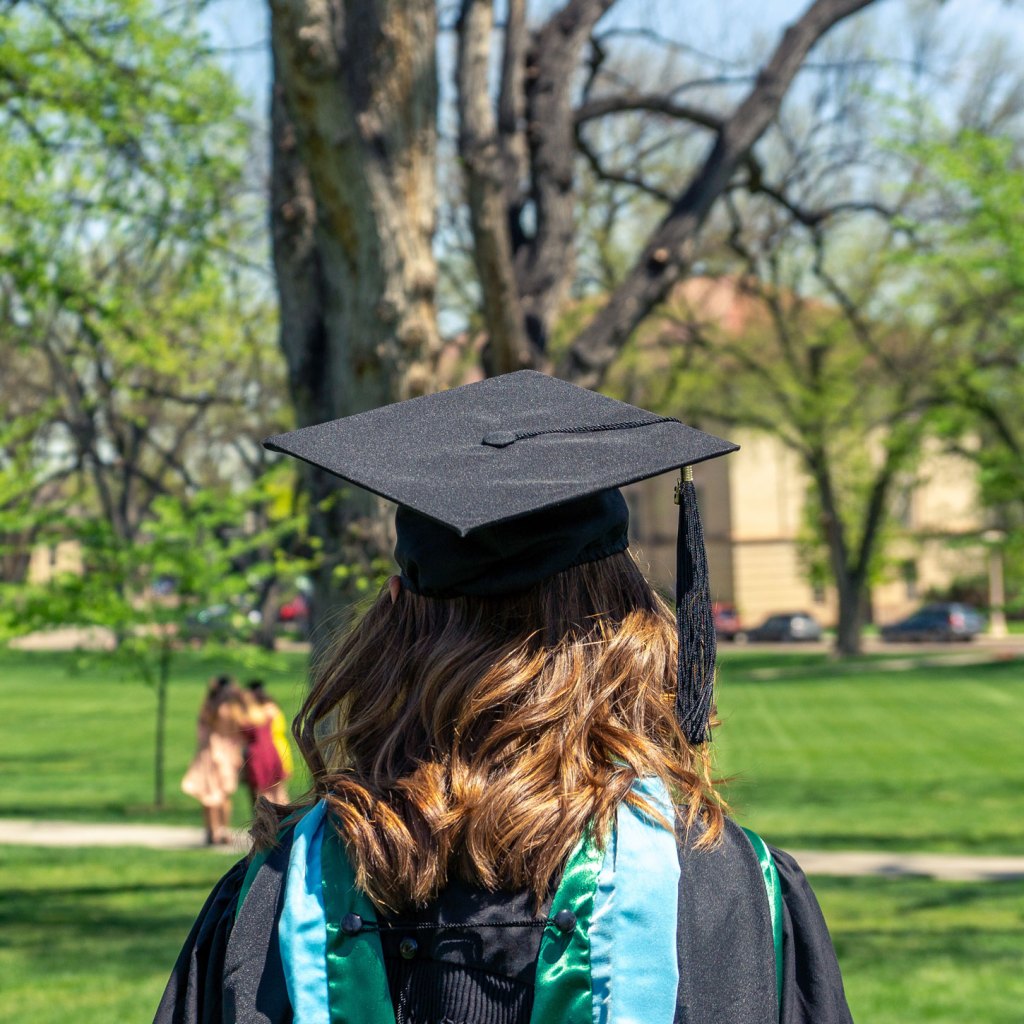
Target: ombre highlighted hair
[478,737]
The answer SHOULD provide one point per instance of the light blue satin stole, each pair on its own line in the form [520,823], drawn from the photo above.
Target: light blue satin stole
[634,973]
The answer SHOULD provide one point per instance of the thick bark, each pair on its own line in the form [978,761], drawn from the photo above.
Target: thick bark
[485,168]
[353,192]
[524,156]
[545,266]
[512,115]
[666,257]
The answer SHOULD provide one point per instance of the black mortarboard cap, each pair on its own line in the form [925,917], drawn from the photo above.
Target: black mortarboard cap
[507,481]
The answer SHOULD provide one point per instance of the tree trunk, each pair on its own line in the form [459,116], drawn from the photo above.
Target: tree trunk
[849,580]
[486,195]
[352,208]
[268,604]
[546,265]
[162,678]
[851,614]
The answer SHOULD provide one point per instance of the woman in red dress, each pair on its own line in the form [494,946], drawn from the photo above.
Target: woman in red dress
[264,773]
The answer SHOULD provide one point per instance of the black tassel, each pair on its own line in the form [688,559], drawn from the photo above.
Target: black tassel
[694,621]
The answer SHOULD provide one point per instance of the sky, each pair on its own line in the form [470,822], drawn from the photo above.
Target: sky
[731,30]
[728,28]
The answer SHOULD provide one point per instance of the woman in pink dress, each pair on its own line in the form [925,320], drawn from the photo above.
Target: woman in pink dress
[212,777]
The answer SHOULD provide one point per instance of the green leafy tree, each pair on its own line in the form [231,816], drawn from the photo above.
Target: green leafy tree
[133,313]
[973,267]
[819,351]
[216,549]
[138,346]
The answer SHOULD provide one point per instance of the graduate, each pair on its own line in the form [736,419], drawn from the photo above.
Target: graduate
[513,818]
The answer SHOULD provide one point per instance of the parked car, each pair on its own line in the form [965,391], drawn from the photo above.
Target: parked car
[727,622]
[294,610]
[947,621]
[786,627]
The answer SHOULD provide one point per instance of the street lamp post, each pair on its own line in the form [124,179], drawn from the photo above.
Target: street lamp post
[996,586]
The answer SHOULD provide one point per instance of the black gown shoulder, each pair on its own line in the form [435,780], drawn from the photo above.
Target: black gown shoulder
[195,990]
[812,987]
[230,972]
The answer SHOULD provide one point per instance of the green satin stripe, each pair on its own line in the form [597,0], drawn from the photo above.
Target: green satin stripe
[563,990]
[357,982]
[773,887]
[250,874]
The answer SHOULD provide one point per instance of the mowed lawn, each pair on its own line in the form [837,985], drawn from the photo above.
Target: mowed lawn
[925,759]
[79,734]
[90,936]
[921,759]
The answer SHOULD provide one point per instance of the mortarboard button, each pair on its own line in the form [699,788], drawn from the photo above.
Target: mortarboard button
[408,947]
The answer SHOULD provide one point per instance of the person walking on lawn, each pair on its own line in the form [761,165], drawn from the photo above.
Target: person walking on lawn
[212,775]
[266,743]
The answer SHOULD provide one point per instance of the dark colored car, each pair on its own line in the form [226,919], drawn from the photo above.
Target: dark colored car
[787,627]
[294,610]
[947,621]
[727,622]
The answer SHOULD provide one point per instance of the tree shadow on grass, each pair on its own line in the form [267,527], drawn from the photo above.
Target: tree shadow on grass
[104,813]
[55,895]
[794,670]
[70,927]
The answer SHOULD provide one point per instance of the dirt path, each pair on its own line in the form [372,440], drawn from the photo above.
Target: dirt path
[946,867]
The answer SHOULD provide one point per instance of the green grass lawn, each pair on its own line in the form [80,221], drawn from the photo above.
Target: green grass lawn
[91,935]
[915,950]
[78,738]
[920,759]
[98,931]
[821,756]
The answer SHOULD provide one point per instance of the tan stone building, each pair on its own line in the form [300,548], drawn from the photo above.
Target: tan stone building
[50,560]
[752,508]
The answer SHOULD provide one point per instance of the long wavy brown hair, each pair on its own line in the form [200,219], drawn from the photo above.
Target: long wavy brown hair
[479,737]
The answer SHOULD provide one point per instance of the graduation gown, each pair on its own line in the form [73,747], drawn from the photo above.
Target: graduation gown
[230,970]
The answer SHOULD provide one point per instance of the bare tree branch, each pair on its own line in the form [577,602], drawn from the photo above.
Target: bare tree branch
[654,103]
[603,173]
[668,251]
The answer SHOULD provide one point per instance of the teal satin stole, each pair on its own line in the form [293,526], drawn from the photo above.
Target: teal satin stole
[356,989]
[563,985]
[357,979]
[357,982]
[773,887]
